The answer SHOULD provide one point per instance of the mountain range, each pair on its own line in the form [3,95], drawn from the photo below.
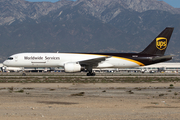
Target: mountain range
[85,26]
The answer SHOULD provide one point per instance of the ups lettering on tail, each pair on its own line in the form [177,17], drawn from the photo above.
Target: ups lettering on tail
[161,43]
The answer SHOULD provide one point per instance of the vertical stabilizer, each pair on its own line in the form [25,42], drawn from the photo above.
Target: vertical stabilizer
[159,44]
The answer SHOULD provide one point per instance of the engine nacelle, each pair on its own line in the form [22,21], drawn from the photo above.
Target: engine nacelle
[72,67]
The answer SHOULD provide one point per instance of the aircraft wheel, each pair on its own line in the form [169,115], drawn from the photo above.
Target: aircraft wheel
[91,74]
[88,74]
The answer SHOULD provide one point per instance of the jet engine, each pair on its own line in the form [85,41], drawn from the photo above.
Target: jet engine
[72,67]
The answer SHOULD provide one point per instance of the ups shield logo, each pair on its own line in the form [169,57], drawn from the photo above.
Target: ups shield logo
[161,43]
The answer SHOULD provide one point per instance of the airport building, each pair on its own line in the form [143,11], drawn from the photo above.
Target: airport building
[159,67]
[164,66]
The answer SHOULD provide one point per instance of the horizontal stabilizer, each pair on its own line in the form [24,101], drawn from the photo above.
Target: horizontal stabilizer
[168,57]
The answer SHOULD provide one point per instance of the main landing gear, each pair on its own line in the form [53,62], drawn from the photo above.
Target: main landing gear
[91,73]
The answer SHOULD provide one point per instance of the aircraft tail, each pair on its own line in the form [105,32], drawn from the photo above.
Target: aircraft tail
[159,44]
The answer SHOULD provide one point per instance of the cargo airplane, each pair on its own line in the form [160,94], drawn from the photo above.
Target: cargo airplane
[75,62]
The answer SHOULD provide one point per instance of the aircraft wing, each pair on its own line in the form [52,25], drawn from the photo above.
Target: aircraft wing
[93,62]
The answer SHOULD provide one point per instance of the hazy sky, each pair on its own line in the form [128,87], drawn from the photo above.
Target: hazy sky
[174,3]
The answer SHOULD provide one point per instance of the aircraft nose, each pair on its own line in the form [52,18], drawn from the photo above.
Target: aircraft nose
[5,63]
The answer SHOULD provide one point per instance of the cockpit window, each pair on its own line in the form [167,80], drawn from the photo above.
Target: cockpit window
[10,58]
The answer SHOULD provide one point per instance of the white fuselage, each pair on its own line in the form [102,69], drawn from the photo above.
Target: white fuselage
[59,59]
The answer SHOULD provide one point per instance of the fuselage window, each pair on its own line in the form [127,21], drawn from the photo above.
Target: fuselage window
[10,58]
